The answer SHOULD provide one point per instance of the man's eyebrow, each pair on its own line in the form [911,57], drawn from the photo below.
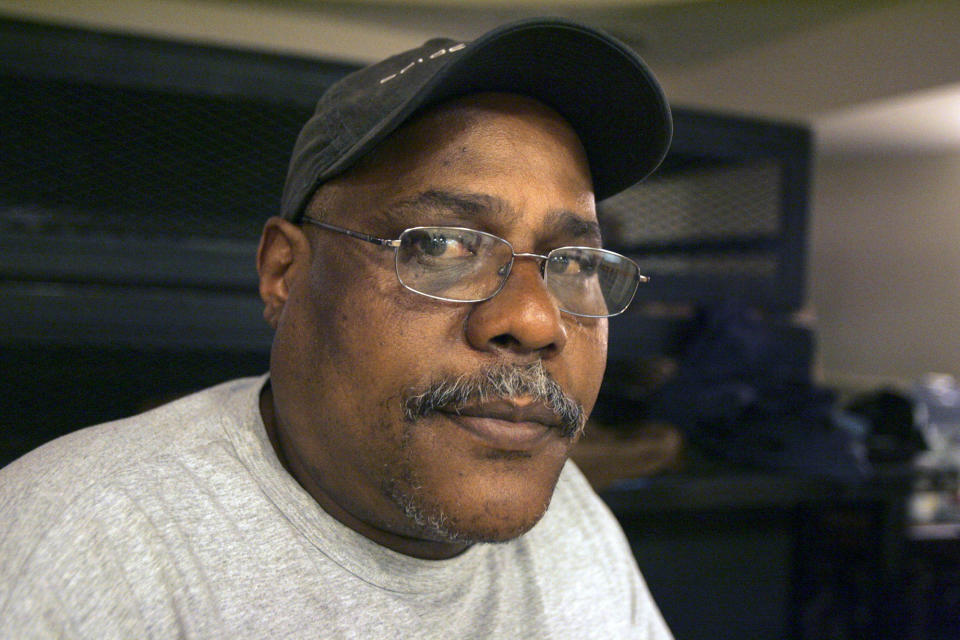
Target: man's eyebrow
[459,203]
[570,224]
[472,205]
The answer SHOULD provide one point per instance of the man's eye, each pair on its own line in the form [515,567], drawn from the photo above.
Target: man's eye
[583,265]
[438,245]
[432,244]
[588,265]
[558,264]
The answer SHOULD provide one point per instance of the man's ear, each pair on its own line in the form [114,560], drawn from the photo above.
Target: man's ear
[284,251]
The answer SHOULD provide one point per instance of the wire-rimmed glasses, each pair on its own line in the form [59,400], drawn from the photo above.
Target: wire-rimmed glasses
[457,264]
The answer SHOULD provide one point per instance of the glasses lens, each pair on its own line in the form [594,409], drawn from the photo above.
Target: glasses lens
[591,282]
[452,263]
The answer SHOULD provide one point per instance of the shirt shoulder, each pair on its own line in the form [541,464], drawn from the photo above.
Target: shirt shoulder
[38,490]
[69,464]
[588,568]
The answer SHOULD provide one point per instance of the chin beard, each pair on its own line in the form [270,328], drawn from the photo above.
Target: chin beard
[430,521]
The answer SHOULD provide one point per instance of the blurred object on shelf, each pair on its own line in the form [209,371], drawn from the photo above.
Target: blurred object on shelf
[740,396]
[606,456]
[937,416]
[935,498]
[891,436]
[627,387]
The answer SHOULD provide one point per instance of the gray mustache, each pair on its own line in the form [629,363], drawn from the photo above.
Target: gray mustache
[494,383]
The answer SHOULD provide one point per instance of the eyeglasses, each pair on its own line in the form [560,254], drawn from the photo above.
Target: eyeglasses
[456,264]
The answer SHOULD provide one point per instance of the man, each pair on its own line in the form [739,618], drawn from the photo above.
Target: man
[439,298]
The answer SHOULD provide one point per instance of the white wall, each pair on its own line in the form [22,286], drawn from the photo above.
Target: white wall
[884,268]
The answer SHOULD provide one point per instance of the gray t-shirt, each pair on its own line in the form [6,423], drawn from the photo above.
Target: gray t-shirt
[181,522]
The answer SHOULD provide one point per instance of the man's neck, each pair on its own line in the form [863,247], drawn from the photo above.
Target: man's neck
[407,545]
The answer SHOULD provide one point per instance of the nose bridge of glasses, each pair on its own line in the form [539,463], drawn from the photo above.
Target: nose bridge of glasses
[541,259]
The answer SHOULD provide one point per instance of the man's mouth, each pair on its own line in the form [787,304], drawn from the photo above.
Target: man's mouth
[507,425]
[512,412]
[505,404]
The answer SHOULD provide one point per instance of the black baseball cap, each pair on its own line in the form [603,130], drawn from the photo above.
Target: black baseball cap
[598,84]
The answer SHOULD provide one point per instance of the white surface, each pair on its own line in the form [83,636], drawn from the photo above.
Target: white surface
[884,267]
[923,122]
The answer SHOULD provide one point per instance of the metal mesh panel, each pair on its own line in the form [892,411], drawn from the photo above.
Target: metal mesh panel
[713,224]
[79,158]
[718,202]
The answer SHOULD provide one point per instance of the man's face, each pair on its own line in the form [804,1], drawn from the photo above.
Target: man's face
[354,350]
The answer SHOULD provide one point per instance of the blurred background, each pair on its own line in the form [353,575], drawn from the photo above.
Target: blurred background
[778,430]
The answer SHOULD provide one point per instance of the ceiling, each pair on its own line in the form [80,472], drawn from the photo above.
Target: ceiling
[869,77]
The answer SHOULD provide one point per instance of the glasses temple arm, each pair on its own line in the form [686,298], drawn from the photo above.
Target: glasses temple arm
[353,234]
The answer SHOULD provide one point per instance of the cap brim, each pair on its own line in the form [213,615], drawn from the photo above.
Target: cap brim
[601,87]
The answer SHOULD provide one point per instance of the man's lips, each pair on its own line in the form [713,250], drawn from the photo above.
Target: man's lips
[505,425]
[512,412]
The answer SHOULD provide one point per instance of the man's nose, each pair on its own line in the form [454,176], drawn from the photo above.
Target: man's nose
[522,318]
